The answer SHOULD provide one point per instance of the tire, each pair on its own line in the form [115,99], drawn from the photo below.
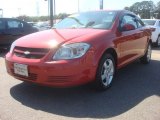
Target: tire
[158,42]
[105,72]
[147,57]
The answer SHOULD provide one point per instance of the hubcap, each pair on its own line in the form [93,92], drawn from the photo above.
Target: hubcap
[107,72]
[149,53]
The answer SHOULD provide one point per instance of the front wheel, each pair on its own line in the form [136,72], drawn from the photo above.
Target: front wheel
[147,57]
[105,72]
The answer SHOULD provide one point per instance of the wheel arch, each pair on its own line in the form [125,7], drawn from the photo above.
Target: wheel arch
[113,52]
[98,82]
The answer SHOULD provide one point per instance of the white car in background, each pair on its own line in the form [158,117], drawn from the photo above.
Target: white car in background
[42,25]
[155,26]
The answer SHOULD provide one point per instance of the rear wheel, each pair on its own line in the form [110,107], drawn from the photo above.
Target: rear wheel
[147,57]
[105,72]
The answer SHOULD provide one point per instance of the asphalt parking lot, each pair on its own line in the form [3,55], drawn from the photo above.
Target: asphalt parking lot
[135,95]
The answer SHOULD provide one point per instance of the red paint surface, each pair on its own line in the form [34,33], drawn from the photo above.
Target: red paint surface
[128,46]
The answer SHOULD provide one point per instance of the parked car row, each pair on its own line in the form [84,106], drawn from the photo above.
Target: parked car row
[82,48]
[12,29]
[42,25]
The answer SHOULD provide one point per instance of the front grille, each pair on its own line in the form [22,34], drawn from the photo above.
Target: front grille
[60,79]
[31,76]
[30,53]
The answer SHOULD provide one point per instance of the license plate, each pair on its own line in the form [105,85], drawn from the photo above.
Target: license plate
[21,69]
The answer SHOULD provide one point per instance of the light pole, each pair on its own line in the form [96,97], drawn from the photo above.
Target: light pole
[54,11]
[1,13]
[78,6]
[37,7]
[48,8]
[101,4]
[19,11]
[51,13]
[50,2]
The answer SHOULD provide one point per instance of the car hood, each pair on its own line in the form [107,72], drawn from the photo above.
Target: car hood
[53,37]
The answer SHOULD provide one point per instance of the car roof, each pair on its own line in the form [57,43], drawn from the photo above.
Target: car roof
[152,19]
[122,11]
[11,19]
[118,11]
[111,11]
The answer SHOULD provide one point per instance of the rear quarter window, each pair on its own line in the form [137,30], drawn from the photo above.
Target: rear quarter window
[2,25]
[140,23]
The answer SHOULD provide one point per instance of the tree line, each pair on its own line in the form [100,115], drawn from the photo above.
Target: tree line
[41,18]
[145,9]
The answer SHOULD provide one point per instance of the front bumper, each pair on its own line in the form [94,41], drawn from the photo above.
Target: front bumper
[62,73]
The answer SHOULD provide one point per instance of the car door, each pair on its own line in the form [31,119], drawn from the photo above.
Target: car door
[129,39]
[142,37]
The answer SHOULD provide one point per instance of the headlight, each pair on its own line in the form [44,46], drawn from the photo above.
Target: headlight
[71,51]
[12,47]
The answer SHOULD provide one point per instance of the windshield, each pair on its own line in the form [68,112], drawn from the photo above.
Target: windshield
[149,22]
[95,20]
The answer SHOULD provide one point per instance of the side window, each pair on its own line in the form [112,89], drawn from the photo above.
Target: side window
[127,19]
[2,25]
[26,25]
[139,23]
[159,23]
[14,24]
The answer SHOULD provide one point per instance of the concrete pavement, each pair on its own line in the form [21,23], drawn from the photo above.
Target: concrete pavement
[135,95]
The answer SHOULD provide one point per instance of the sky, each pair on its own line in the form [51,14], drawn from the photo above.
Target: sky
[13,8]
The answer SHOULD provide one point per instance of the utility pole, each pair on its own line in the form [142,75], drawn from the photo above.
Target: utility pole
[78,6]
[54,12]
[101,4]
[19,11]
[50,7]
[1,13]
[37,7]
[51,13]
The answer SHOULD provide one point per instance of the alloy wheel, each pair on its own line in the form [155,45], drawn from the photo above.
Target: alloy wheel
[107,72]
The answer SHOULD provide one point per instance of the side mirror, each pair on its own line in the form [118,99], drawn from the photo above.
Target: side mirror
[128,27]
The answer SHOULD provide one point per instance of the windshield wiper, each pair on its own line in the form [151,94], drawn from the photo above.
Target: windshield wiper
[89,24]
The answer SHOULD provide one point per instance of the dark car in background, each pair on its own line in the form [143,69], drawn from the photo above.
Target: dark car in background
[12,29]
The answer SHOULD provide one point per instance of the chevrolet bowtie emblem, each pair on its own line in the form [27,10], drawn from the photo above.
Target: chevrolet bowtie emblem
[26,52]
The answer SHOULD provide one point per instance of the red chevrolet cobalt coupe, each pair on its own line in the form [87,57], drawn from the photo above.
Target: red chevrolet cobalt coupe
[82,48]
